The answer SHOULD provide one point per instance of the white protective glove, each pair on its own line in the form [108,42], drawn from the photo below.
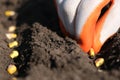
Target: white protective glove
[81,20]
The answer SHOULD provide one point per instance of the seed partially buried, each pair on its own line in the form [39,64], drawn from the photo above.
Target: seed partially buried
[14,78]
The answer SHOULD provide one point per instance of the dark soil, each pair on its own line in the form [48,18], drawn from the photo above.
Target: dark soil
[45,53]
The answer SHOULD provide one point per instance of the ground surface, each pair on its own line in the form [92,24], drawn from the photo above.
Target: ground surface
[45,54]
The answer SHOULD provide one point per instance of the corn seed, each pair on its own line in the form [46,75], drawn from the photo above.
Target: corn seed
[14,54]
[11,35]
[91,52]
[13,44]
[12,28]
[14,78]
[11,69]
[99,62]
[9,13]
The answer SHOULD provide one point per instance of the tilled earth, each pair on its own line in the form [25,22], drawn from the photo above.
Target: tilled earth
[44,52]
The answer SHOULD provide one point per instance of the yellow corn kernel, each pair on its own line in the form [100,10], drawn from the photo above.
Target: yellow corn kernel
[11,69]
[9,13]
[14,54]
[12,28]
[14,78]
[99,62]
[13,44]
[91,52]
[11,35]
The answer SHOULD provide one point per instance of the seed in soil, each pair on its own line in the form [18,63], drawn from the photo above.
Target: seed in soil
[13,44]
[14,78]
[92,53]
[11,69]
[14,54]
[99,62]
[12,28]
[11,35]
[9,13]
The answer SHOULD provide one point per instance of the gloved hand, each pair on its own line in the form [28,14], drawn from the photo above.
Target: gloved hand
[82,20]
